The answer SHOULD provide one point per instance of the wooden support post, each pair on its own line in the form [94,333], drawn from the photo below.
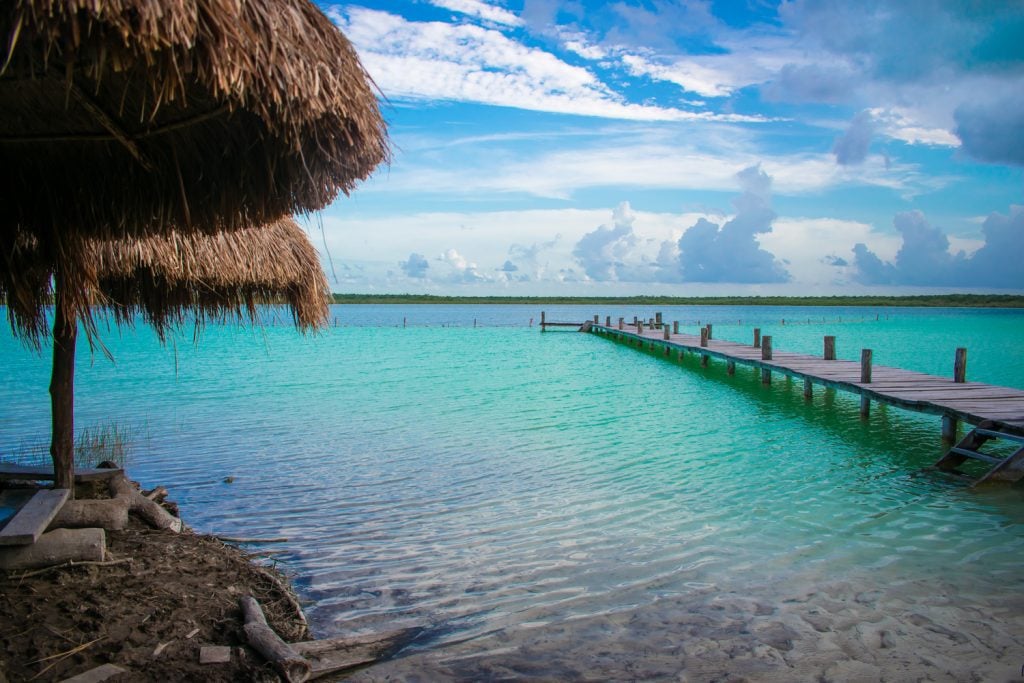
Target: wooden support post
[808,389]
[635,320]
[597,319]
[639,326]
[766,354]
[542,320]
[621,323]
[709,330]
[668,349]
[657,317]
[960,366]
[730,368]
[757,337]
[667,331]
[703,336]
[949,429]
[830,348]
[607,321]
[675,327]
[865,366]
[704,358]
[682,353]
[865,406]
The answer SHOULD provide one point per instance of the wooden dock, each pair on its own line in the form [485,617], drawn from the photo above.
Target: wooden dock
[999,411]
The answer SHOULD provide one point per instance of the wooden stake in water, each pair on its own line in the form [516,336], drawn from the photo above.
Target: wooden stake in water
[830,348]
[865,378]
[766,354]
[709,330]
[757,337]
[703,336]
[675,327]
[667,331]
[960,366]
[621,320]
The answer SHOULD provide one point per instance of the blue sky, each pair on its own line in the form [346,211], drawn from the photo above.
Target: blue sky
[693,148]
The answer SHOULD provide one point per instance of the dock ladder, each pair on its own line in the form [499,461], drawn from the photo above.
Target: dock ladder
[1005,468]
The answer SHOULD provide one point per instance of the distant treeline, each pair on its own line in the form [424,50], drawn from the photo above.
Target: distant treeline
[932,300]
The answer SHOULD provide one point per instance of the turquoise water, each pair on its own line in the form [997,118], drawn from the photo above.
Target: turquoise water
[492,477]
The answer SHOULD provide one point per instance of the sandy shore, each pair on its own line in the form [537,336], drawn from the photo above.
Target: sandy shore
[832,631]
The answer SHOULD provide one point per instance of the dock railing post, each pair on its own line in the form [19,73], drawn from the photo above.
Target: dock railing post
[675,327]
[657,318]
[709,330]
[639,326]
[766,354]
[703,336]
[960,366]
[597,319]
[950,425]
[865,378]
[607,321]
[621,323]
[757,337]
[667,331]
[830,347]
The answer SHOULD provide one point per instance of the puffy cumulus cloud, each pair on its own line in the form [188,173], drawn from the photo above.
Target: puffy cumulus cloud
[925,259]
[461,271]
[480,10]
[852,146]
[992,130]
[527,259]
[415,266]
[731,253]
[601,253]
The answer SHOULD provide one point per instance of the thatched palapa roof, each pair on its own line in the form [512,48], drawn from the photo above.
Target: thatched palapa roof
[137,117]
[176,277]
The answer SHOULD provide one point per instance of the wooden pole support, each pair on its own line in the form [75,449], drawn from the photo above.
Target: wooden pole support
[757,337]
[730,368]
[607,321]
[830,348]
[704,358]
[865,366]
[675,327]
[542,319]
[635,320]
[639,326]
[949,429]
[703,336]
[865,406]
[960,366]
[709,330]
[667,330]
[808,389]
[621,323]
[289,663]
[766,354]
[597,319]
[657,317]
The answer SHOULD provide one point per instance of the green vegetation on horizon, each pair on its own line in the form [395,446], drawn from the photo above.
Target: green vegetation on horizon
[930,300]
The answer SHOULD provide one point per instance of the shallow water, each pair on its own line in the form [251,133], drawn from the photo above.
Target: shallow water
[493,480]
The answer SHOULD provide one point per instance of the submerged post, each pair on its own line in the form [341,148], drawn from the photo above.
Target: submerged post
[757,337]
[865,378]
[960,366]
[808,389]
[830,348]
[730,368]
[766,354]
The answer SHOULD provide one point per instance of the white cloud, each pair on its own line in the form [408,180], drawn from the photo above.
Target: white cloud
[481,10]
[467,63]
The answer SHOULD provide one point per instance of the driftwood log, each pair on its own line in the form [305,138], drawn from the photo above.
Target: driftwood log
[57,547]
[289,663]
[332,655]
[151,512]
[110,514]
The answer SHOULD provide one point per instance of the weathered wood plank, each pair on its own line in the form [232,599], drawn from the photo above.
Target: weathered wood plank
[32,519]
[10,472]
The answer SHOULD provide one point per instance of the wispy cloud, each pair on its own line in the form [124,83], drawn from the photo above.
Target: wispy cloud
[481,10]
[469,63]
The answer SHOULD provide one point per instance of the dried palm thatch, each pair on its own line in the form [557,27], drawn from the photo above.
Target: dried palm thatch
[175,277]
[136,117]
[168,279]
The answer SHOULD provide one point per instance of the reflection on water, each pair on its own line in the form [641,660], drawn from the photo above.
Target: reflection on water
[493,480]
